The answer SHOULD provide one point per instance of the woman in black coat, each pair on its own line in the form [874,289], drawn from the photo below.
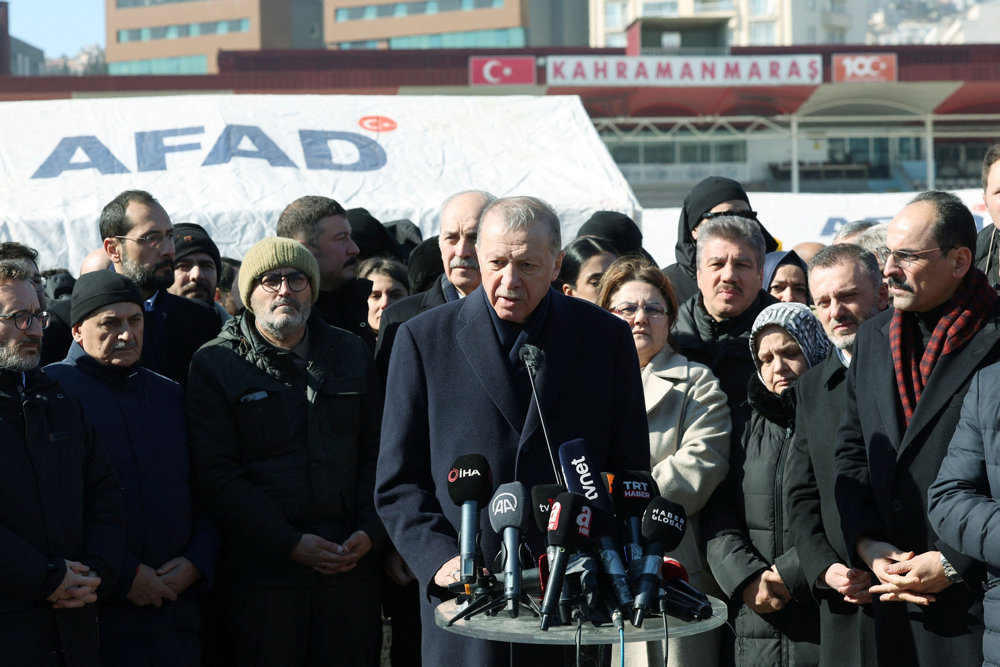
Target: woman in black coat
[749,551]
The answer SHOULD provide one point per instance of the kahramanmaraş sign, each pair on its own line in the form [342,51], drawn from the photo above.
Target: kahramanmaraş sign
[670,71]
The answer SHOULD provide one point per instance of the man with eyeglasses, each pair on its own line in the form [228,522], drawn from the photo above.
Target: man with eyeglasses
[284,412]
[61,515]
[910,370]
[138,417]
[138,238]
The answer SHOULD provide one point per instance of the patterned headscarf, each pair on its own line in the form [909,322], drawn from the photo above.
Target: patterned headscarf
[799,322]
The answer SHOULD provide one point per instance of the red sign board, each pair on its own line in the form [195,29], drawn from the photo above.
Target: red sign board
[501,71]
[864,67]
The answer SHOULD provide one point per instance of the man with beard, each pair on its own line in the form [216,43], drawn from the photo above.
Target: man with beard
[321,225]
[138,417]
[457,240]
[139,241]
[197,267]
[847,287]
[910,371]
[61,530]
[284,412]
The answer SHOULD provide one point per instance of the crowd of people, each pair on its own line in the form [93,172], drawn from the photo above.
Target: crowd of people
[244,461]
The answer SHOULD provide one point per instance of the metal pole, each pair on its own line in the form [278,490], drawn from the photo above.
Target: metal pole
[929,152]
[795,153]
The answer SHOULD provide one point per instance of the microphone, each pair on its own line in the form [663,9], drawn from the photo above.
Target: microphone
[582,476]
[675,579]
[509,517]
[470,485]
[632,491]
[568,528]
[533,357]
[663,526]
[542,497]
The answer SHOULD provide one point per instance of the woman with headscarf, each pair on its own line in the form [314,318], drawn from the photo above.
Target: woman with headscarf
[786,277]
[688,432]
[711,196]
[774,617]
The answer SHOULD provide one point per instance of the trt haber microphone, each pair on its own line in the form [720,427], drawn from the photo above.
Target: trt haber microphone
[631,493]
[510,516]
[663,526]
[583,476]
[470,485]
[569,527]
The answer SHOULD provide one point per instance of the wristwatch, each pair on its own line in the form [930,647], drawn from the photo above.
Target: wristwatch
[950,573]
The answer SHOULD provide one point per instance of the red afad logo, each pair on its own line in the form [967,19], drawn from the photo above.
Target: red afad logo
[864,67]
[518,70]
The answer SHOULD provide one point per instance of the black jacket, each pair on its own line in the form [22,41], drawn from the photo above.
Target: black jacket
[724,347]
[280,451]
[883,474]
[59,499]
[400,312]
[988,254]
[347,308]
[746,531]
[847,629]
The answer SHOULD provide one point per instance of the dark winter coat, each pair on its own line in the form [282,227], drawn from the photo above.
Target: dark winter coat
[399,312]
[745,526]
[847,630]
[963,499]
[347,308]
[138,417]
[59,500]
[988,253]
[884,470]
[279,451]
[724,347]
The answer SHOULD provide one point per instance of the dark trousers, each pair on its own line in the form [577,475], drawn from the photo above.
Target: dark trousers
[335,624]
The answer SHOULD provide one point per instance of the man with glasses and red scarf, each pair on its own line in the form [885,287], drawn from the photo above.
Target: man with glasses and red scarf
[910,370]
[139,239]
[284,414]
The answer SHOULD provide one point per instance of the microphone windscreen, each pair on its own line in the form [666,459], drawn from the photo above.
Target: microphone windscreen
[665,522]
[632,492]
[509,507]
[672,569]
[470,479]
[582,473]
[531,355]
[542,497]
[569,521]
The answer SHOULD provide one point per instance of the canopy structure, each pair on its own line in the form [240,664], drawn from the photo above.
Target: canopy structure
[232,162]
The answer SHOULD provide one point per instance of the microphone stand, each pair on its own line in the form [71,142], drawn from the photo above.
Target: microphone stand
[531,356]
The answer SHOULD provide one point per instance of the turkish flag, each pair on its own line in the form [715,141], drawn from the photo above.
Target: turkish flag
[501,71]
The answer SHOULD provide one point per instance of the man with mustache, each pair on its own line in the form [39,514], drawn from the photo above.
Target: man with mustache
[321,225]
[713,326]
[138,417]
[910,371]
[138,238]
[61,514]
[457,240]
[847,288]
[284,413]
[197,267]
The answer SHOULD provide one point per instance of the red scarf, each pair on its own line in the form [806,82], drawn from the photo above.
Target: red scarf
[965,313]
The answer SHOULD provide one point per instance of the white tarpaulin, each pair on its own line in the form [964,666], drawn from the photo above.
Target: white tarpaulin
[232,162]
[795,218]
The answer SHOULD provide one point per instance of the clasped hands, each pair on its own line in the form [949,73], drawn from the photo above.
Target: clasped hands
[903,575]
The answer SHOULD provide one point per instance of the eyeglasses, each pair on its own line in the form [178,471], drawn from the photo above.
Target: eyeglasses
[150,240]
[23,319]
[749,215]
[628,311]
[905,258]
[271,282]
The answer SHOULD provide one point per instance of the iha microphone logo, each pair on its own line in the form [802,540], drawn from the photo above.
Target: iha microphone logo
[458,473]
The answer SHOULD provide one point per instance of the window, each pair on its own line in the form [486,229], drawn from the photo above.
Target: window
[183,30]
[692,153]
[126,4]
[660,8]
[713,5]
[178,65]
[659,153]
[614,15]
[762,33]
[731,151]
[761,7]
[626,153]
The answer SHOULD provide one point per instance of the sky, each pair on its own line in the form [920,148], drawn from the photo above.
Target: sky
[57,27]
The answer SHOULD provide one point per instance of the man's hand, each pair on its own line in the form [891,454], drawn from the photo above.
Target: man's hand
[148,588]
[852,583]
[328,557]
[178,574]
[767,593]
[449,573]
[78,587]
[397,570]
[914,580]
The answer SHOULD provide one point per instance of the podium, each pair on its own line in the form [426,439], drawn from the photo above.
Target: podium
[524,629]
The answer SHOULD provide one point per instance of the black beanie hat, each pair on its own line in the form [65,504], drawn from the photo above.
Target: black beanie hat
[616,227]
[101,288]
[191,238]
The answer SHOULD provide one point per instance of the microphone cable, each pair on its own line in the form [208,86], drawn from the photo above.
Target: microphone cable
[666,641]
[621,639]
[532,355]
[579,638]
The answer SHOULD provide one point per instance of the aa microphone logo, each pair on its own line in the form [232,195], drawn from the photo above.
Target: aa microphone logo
[503,503]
